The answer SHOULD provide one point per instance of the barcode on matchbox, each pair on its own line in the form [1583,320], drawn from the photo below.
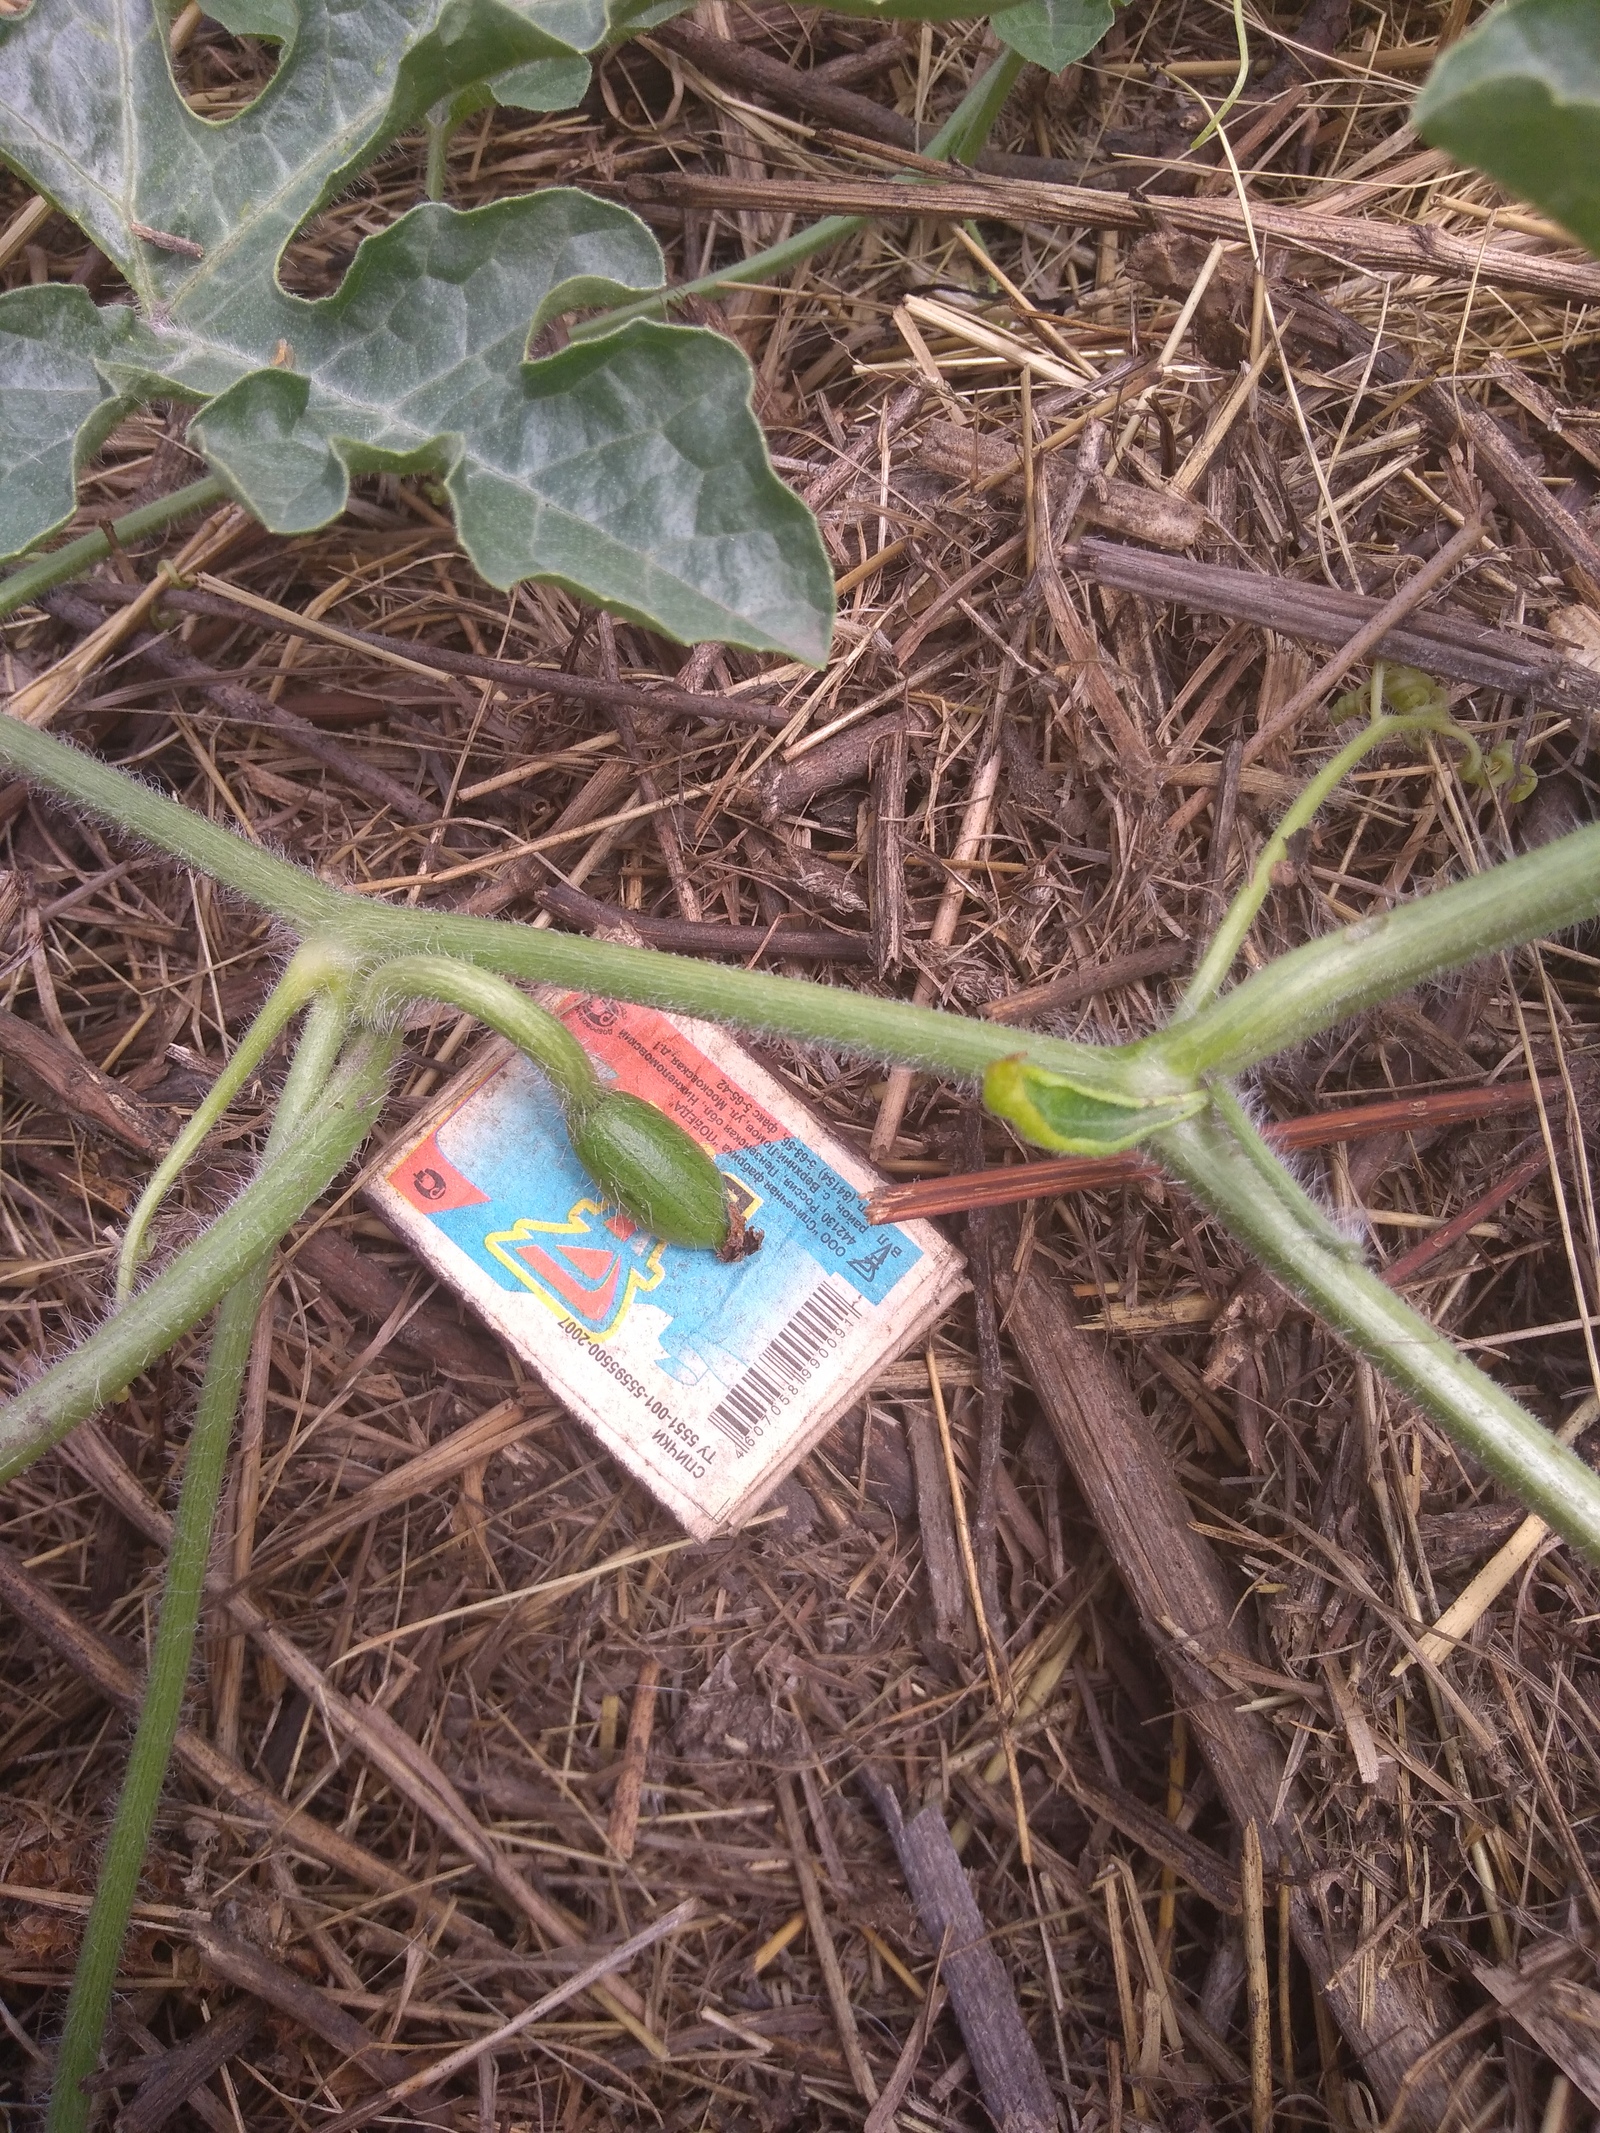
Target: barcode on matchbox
[815,1330]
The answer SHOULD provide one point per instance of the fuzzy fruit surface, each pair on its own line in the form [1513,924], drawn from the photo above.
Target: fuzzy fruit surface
[652,1169]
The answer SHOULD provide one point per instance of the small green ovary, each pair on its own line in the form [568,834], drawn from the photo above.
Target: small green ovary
[653,1169]
[1051,1112]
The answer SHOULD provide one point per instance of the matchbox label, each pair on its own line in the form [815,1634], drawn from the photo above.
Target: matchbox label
[707,1380]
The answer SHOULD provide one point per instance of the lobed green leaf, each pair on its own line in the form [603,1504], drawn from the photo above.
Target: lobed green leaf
[632,471]
[1519,97]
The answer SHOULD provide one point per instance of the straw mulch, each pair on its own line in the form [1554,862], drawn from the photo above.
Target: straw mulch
[1280,1858]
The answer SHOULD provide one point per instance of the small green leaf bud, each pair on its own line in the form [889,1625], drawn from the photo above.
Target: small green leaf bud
[653,1169]
[1053,1112]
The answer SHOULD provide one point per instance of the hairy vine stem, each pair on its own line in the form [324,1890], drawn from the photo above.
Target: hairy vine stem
[75,557]
[1293,998]
[370,932]
[1229,937]
[200,1275]
[312,970]
[71,2102]
[531,1028]
[1370,1318]
[1308,990]
[1299,994]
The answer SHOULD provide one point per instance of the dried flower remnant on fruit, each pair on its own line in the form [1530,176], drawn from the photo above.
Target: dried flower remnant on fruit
[741,1242]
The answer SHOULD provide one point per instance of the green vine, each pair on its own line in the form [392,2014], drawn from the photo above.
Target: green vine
[1169,1089]
[360,963]
[71,2102]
